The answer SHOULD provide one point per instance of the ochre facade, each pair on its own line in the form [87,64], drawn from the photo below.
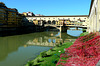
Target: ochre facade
[9,17]
[3,14]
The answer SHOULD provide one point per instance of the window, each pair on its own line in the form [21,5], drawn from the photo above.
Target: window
[2,10]
[13,13]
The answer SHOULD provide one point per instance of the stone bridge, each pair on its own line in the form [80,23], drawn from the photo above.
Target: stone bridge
[63,27]
[60,22]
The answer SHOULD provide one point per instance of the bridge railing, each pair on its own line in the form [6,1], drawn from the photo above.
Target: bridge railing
[76,24]
[69,24]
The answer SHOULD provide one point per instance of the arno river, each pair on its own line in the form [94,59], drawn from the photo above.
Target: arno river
[16,50]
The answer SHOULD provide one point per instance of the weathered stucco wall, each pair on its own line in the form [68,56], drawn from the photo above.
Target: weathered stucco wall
[94,17]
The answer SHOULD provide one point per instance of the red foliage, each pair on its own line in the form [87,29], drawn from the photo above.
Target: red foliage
[84,52]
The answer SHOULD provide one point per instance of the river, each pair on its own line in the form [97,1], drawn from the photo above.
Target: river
[16,50]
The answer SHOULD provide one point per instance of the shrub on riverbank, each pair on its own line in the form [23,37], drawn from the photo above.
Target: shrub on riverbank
[44,54]
[84,52]
[84,30]
[83,34]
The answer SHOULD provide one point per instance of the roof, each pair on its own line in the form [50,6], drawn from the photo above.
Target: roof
[2,3]
[12,10]
[62,16]
[92,1]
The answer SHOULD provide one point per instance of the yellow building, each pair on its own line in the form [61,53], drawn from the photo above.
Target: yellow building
[3,14]
[35,22]
[24,13]
[63,22]
[60,22]
[9,17]
[12,17]
[19,18]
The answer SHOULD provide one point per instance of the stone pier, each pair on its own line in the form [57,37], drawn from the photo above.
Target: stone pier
[76,28]
[63,29]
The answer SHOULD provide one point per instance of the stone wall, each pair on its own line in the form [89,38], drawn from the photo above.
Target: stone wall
[94,17]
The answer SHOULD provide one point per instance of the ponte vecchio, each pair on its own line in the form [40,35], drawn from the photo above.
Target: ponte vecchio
[60,22]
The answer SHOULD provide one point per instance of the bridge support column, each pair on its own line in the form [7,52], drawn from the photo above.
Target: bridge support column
[63,29]
[76,28]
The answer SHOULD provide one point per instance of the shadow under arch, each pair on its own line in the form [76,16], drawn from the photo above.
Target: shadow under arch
[44,22]
[52,28]
[53,22]
[65,35]
[49,22]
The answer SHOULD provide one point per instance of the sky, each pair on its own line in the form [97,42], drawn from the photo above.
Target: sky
[51,7]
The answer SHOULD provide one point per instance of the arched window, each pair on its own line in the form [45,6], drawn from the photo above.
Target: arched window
[53,22]
[49,22]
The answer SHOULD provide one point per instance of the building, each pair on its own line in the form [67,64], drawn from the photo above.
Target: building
[12,17]
[28,14]
[19,19]
[24,13]
[39,15]
[9,17]
[94,16]
[3,14]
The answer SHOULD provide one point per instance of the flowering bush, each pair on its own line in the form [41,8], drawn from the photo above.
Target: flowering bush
[51,49]
[84,52]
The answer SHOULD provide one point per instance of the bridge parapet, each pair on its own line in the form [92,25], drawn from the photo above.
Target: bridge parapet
[68,24]
[60,23]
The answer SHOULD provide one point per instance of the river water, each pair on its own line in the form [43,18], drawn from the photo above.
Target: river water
[18,49]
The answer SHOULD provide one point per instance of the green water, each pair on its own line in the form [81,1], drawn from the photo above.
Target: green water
[18,49]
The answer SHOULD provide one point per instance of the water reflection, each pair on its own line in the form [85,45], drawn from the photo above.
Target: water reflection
[15,50]
[10,44]
[51,39]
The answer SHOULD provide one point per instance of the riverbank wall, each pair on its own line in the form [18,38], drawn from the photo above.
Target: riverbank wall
[6,31]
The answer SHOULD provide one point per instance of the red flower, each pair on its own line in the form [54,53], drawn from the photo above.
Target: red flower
[84,52]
